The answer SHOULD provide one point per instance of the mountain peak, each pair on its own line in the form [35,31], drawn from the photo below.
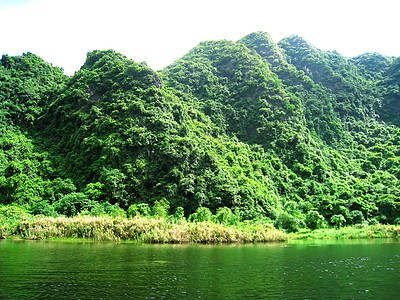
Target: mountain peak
[263,44]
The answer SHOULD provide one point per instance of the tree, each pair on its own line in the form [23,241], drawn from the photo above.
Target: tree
[338,220]
[314,220]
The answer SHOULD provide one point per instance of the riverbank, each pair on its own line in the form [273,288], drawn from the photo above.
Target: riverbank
[162,230]
[350,232]
[144,229]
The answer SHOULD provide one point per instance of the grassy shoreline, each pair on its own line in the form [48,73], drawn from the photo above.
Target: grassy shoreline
[162,230]
[143,229]
[350,232]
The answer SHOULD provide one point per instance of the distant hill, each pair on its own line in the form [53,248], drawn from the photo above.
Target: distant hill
[271,130]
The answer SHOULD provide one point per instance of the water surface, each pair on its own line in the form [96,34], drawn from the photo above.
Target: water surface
[353,269]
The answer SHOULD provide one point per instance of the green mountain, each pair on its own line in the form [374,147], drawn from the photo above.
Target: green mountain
[277,130]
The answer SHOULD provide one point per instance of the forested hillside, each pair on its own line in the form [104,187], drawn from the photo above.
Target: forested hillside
[275,131]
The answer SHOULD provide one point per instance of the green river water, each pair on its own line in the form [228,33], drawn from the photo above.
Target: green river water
[352,269]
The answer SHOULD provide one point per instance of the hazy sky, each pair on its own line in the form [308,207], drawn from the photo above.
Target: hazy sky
[161,31]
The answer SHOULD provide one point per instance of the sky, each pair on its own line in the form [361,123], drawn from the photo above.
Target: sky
[161,31]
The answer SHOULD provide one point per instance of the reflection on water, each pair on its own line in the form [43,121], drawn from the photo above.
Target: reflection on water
[299,269]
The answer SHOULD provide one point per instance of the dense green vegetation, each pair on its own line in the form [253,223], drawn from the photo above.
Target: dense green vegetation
[149,227]
[281,133]
[172,229]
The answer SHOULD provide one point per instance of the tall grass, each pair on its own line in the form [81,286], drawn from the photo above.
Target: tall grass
[164,230]
[350,232]
[149,230]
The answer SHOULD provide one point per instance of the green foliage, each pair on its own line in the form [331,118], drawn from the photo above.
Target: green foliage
[44,208]
[202,214]
[72,204]
[357,217]
[225,216]
[338,220]
[314,220]
[161,208]
[10,217]
[143,209]
[179,215]
[58,188]
[13,211]
[117,211]
[27,83]
[133,210]
[270,131]
[289,222]
[95,191]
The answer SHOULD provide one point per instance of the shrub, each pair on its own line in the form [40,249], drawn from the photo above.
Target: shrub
[160,208]
[98,209]
[179,215]
[144,209]
[13,211]
[133,210]
[44,208]
[314,220]
[95,191]
[357,217]
[373,221]
[338,220]
[225,216]
[202,214]
[72,204]
[118,211]
[288,222]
